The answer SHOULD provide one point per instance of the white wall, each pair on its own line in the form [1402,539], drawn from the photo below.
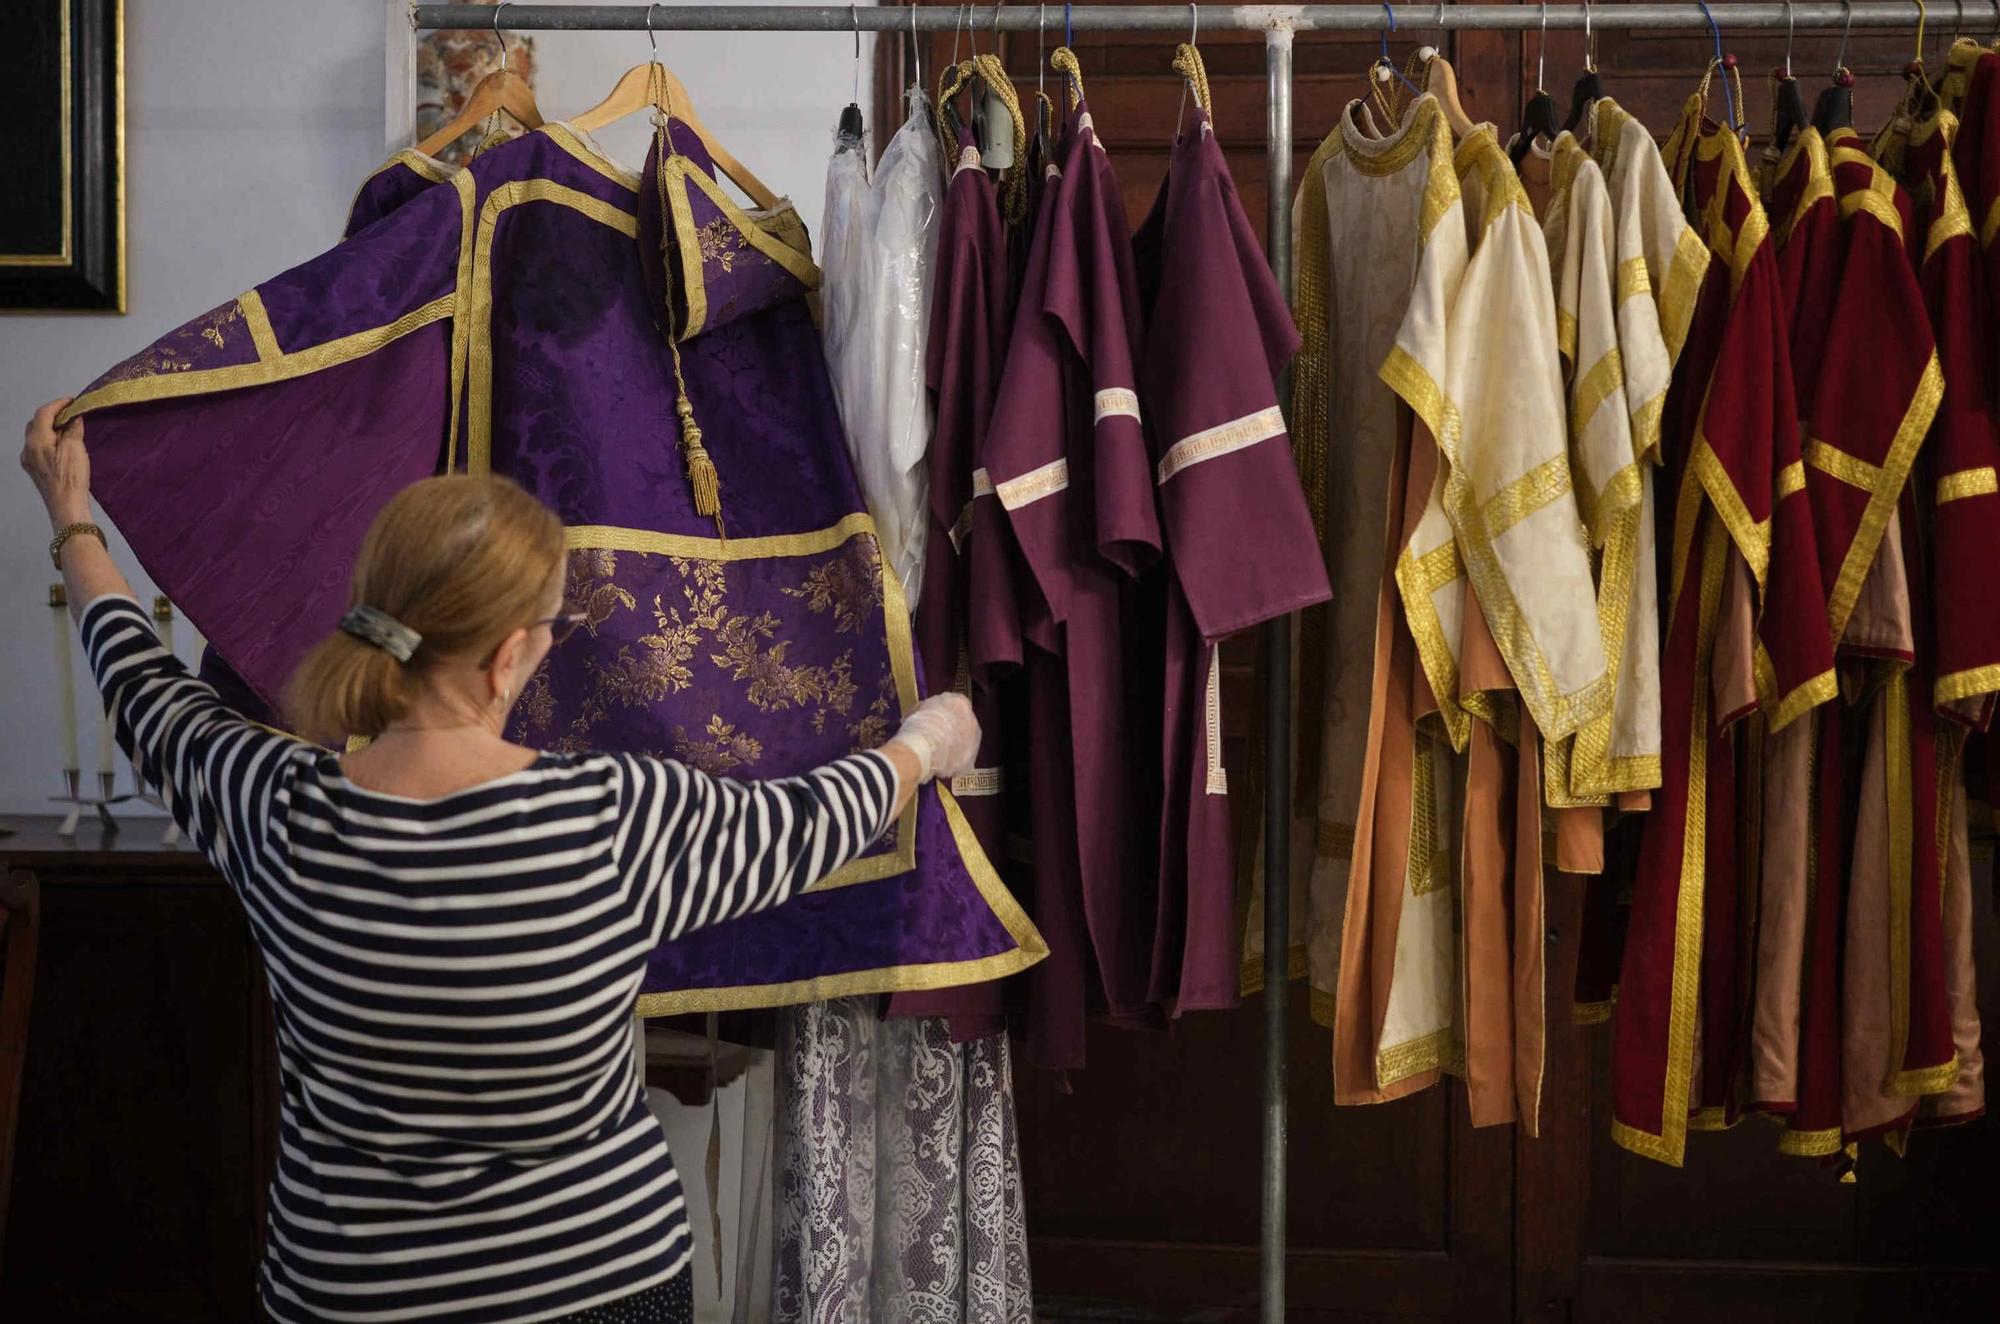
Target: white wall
[248,127]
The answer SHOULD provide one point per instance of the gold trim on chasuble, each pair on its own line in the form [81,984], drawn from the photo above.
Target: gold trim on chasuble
[1670,1143]
[168,385]
[1030,948]
[258,321]
[1312,398]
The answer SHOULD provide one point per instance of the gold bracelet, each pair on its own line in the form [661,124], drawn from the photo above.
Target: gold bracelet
[69,531]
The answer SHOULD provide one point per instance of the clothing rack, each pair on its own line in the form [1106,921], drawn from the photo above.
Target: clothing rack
[1279,23]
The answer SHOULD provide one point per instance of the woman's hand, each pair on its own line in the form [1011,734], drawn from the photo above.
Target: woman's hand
[59,465]
[943,735]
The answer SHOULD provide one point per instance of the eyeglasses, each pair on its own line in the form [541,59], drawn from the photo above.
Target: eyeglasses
[568,620]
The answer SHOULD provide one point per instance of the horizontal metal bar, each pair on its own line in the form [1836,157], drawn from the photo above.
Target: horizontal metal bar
[1979,17]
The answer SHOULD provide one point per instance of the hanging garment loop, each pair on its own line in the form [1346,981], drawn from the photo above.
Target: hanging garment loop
[1385,66]
[1064,62]
[1542,52]
[1720,62]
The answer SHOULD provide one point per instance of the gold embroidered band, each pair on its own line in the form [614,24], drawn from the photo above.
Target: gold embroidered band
[1116,402]
[1234,435]
[980,781]
[1033,485]
[1968,483]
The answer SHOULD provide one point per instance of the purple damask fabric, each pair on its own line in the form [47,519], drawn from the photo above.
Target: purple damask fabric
[502,320]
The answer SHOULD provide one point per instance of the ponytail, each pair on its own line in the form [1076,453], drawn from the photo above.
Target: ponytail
[462,560]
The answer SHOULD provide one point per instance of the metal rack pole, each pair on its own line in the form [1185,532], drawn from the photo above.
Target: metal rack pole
[1277,737]
[1279,23]
[1978,16]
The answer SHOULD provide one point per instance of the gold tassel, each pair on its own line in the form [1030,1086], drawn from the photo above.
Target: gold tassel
[707,484]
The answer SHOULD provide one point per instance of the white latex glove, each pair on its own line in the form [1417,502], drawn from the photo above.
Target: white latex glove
[942,734]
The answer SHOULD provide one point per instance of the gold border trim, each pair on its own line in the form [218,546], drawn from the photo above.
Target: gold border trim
[1222,439]
[168,386]
[259,321]
[1029,948]
[1883,493]
[479,314]
[1968,684]
[1982,481]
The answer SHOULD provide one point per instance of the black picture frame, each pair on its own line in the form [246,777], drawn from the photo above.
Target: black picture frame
[62,230]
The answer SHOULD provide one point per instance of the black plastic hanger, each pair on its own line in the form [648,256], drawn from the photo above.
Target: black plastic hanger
[1788,104]
[1835,107]
[1589,87]
[1538,117]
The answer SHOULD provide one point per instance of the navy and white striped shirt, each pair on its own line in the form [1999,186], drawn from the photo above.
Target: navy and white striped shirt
[463,1133]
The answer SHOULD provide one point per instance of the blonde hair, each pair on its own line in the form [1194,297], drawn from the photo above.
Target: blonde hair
[463,560]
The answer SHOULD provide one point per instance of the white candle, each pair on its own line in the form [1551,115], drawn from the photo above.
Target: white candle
[107,748]
[65,680]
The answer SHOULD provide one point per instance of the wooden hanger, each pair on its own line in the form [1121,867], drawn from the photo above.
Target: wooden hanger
[644,86]
[1441,81]
[501,90]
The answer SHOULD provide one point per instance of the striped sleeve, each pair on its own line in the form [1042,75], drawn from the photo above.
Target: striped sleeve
[707,849]
[219,775]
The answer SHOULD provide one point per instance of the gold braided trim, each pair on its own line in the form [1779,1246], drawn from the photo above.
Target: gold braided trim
[1968,684]
[1752,536]
[426,167]
[1029,948]
[1952,218]
[1982,481]
[570,141]
[1624,490]
[1333,841]
[1680,287]
[1437,1051]
[1591,771]
[1311,408]
[1670,1143]
[961,528]
[693,547]
[1223,439]
[1810,149]
[1899,778]
[1883,493]
[1646,428]
[1418,575]
[1481,151]
[317,358]
[1836,463]
[479,349]
[1115,402]
[1555,712]
[1546,482]
[1599,383]
[1804,697]
[1810,1144]
[979,781]
[259,321]
[1990,227]
[1925,1080]
[461,326]
[1632,281]
[1792,479]
[1566,336]
[1593,1013]
[1217,780]
[1032,486]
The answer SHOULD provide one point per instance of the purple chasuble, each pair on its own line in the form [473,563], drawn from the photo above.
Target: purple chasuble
[1240,542]
[508,318]
[1068,462]
[404,176]
[972,304]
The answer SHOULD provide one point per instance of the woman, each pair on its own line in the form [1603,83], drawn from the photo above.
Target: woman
[454,926]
